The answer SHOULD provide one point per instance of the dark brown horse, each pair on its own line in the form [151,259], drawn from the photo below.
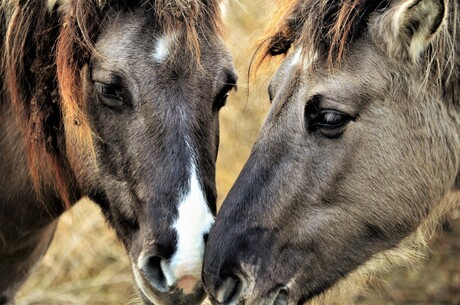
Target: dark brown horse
[118,101]
[360,151]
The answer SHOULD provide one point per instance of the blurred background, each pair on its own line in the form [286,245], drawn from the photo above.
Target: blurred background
[87,265]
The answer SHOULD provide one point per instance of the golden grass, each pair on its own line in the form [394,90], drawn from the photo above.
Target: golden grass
[84,265]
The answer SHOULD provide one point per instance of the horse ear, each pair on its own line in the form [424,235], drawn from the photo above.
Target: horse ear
[408,27]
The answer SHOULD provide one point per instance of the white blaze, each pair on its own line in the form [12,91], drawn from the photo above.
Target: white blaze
[299,57]
[162,48]
[296,57]
[194,221]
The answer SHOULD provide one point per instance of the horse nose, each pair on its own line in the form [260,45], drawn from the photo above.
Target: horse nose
[231,291]
[153,268]
[163,274]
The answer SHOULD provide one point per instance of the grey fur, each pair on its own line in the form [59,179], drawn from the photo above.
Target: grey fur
[314,203]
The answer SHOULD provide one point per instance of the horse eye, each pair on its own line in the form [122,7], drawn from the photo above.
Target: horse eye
[271,94]
[330,123]
[221,99]
[109,95]
[331,119]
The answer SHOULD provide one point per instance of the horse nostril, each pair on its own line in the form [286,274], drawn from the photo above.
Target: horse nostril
[230,291]
[154,274]
[281,298]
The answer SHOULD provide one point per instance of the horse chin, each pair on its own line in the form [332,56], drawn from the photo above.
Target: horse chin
[176,297]
[180,294]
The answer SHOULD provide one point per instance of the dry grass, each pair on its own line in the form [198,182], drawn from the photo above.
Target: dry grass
[86,265]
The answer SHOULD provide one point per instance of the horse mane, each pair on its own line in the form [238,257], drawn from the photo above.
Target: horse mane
[45,47]
[325,27]
[328,27]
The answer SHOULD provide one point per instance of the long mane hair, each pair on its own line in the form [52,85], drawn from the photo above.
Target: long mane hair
[44,49]
[327,28]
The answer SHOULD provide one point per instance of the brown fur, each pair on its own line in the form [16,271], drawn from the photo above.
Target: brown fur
[40,99]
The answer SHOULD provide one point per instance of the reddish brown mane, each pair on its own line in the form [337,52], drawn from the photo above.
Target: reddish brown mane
[29,74]
[43,57]
[325,27]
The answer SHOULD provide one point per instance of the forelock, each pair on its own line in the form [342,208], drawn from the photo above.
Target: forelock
[324,27]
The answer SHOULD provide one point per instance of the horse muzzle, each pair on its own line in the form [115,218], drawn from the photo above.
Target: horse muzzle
[159,285]
[237,291]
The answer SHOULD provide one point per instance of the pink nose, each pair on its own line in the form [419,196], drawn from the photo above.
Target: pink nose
[187,284]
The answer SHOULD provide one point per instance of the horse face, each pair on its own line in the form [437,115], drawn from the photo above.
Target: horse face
[347,164]
[154,119]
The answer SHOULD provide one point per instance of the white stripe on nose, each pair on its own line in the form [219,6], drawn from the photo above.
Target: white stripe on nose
[194,221]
